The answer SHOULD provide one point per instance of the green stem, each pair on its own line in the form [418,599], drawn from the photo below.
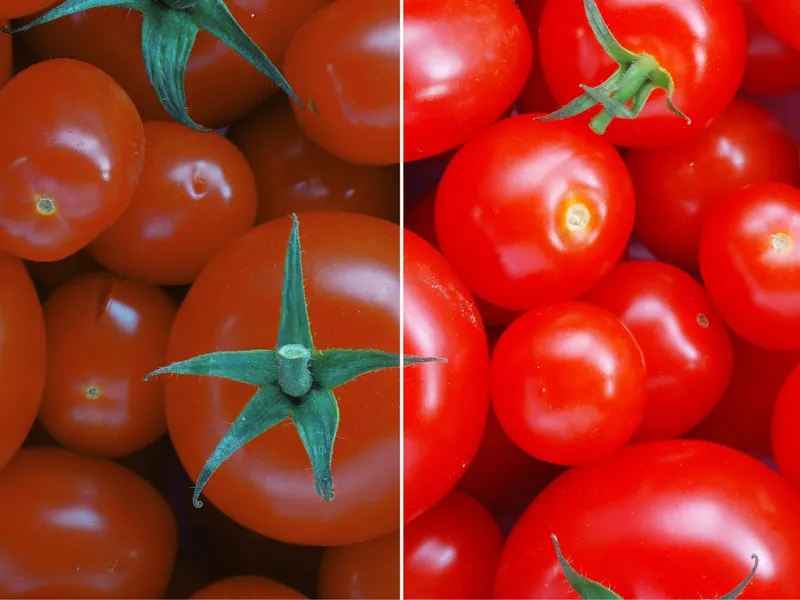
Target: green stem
[294,377]
[632,81]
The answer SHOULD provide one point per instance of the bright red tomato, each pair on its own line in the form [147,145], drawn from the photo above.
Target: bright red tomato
[465,61]
[6,57]
[670,519]
[773,67]
[366,571]
[195,195]
[702,43]
[785,442]
[782,17]
[520,241]
[535,96]
[247,586]
[461,530]
[750,263]
[678,187]
[80,527]
[14,9]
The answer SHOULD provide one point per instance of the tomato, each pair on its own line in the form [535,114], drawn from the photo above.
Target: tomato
[701,43]
[785,443]
[445,405]
[750,263]
[82,527]
[247,586]
[782,18]
[13,9]
[346,60]
[460,529]
[453,85]
[365,571]
[678,187]
[535,96]
[22,355]
[773,67]
[669,519]
[196,194]
[293,174]
[522,241]
[54,274]
[6,57]
[73,157]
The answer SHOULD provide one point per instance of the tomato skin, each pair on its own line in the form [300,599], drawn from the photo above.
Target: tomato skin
[47,497]
[785,445]
[535,95]
[702,43]
[366,571]
[678,187]
[195,195]
[247,586]
[293,174]
[648,521]
[461,529]
[14,9]
[782,18]
[773,67]
[6,57]
[514,239]
[353,81]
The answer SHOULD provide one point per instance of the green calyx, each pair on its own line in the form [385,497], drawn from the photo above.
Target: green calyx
[586,588]
[169,31]
[295,381]
[633,82]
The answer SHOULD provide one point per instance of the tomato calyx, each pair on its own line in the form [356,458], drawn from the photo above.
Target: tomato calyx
[295,381]
[587,588]
[635,79]
[169,32]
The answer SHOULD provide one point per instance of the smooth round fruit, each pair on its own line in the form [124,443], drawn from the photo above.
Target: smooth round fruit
[785,442]
[366,571]
[247,586]
[773,67]
[782,18]
[14,9]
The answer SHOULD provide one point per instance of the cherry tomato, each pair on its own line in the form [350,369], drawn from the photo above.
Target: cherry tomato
[73,154]
[80,527]
[535,96]
[14,9]
[247,586]
[773,67]
[522,241]
[782,18]
[293,174]
[54,274]
[678,187]
[345,59]
[465,61]
[6,57]
[196,194]
[785,442]
[365,571]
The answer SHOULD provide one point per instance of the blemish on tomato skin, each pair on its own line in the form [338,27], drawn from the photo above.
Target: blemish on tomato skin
[92,392]
[780,242]
[577,217]
[45,206]
[702,320]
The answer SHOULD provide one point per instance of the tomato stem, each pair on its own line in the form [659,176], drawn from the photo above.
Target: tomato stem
[294,378]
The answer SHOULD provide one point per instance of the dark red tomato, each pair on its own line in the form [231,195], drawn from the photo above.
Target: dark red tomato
[111,39]
[54,274]
[670,519]
[196,194]
[247,586]
[782,17]
[678,187]
[702,43]
[73,155]
[366,571]
[773,67]
[293,174]
[520,241]
[785,441]
[536,95]
[6,57]
[750,263]
[345,59]
[104,334]
[22,355]
[465,61]
[686,347]
[445,405]
[81,527]
[464,532]
[13,9]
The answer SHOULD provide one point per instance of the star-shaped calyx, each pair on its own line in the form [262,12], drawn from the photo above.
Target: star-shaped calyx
[295,381]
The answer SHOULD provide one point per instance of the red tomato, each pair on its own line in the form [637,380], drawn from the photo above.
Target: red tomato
[22,355]
[80,527]
[54,274]
[346,60]
[535,96]
[785,442]
[73,155]
[196,194]
[13,9]
[520,241]
[750,263]
[6,57]
[702,43]
[104,333]
[782,17]
[365,571]
[247,586]
[670,519]
[293,174]
[678,187]
[445,405]
[465,61]
[773,67]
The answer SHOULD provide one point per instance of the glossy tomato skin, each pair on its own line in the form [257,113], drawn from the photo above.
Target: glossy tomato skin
[773,67]
[196,194]
[454,87]
[702,43]
[785,443]
[750,263]
[247,586]
[22,355]
[80,144]
[82,527]
[346,60]
[14,9]
[783,18]
[351,269]
[293,174]
[535,95]
[445,405]
[520,241]
[366,571]
[678,187]
[649,522]
[461,529]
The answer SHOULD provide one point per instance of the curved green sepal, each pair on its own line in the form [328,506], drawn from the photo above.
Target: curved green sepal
[622,56]
[295,327]
[584,102]
[182,4]
[70,7]
[335,367]
[737,591]
[254,367]
[614,107]
[661,78]
[267,408]
[585,587]
[317,421]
